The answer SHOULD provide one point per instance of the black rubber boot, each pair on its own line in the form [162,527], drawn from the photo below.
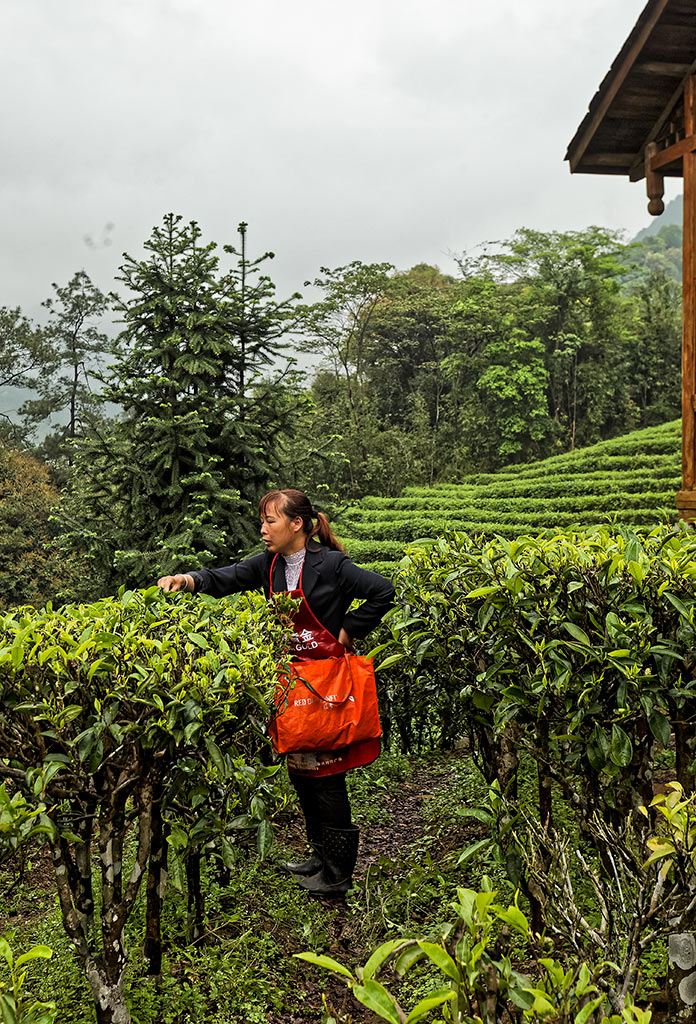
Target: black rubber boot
[303,867]
[313,863]
[340,854]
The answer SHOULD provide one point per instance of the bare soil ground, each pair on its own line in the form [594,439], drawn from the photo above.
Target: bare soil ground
[401,826]
[35,883]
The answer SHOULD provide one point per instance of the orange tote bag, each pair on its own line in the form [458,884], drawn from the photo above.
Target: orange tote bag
[325,705]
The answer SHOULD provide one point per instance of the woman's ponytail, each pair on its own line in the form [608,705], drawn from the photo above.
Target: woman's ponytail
[325,534]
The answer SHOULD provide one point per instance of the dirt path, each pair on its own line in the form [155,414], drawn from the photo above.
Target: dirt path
[400,827]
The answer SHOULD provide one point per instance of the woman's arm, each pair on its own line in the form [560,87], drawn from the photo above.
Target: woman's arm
[377,593]
[232,579]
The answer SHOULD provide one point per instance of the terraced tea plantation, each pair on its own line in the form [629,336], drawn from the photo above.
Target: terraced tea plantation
[631,479]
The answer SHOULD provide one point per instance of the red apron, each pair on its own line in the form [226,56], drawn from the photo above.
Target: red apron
[311,642]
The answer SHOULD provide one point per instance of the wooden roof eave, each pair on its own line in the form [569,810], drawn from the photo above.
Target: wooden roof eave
[613,81]
[637,169]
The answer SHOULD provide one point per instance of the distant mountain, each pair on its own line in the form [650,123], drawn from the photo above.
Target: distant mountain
[674,214]
[11,399]
[658,247]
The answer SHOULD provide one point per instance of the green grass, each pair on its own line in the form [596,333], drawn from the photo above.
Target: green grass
[243,969]
[630,480]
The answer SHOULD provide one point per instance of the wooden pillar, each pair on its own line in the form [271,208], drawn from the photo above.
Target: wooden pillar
[654,181]
[686,498]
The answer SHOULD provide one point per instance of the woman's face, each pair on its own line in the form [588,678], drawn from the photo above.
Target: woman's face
[281,534]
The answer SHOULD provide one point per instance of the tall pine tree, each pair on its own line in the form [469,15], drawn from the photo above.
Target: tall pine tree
[174,482]
[65,390]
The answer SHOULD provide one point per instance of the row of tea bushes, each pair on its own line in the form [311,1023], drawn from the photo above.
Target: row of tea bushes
[629,480]
[601,482]
[568,658]
[578,646]
[117,717]
[402,528]
[529,503]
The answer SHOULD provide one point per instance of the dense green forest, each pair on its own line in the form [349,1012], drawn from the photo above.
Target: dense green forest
[163,410]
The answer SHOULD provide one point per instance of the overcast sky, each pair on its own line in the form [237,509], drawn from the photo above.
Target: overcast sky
[376,129]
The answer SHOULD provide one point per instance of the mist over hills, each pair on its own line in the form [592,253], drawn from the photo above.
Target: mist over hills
[656,247]
[674,214]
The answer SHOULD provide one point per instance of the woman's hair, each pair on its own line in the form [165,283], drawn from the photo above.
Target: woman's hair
[296,503]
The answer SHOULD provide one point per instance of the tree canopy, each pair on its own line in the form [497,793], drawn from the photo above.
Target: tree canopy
[542,343]
[178,474]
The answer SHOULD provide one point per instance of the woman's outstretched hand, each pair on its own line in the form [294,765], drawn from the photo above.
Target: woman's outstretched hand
[183,581]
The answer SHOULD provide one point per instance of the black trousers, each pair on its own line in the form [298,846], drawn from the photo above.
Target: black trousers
[324,801]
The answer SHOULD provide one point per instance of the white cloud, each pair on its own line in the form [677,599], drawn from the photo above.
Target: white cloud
[374,130]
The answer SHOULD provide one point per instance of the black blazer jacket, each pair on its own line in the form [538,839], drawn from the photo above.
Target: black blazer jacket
[330,581]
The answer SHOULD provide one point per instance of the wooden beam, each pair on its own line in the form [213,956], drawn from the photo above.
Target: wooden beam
[611,159]
[689,309]
[608,97]
[638,167]
[686,503]
[654,181]
[662,157]
[663,67]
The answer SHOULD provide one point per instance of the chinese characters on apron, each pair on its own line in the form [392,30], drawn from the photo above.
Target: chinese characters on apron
[311,641]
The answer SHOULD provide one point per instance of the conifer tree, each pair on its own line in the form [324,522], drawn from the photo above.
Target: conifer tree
[76,346]
[174,482]
[25,354]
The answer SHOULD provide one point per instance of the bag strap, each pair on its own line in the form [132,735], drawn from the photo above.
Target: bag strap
[334,703]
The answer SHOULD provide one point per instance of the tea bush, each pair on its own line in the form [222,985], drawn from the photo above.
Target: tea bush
[577,647]
[631,480]
[135,716]
[476,976]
